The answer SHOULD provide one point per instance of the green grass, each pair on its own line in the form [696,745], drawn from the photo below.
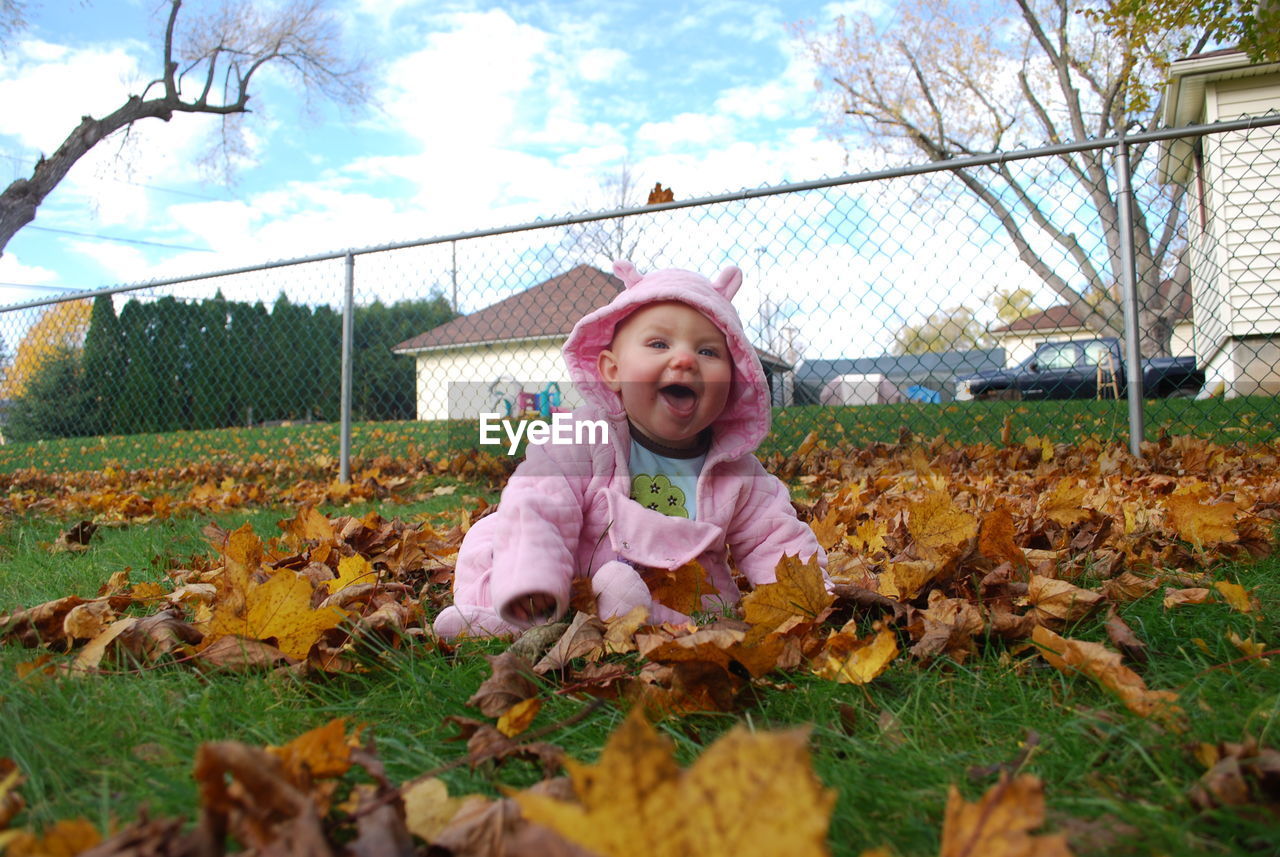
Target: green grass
[103,747]
[1251,419]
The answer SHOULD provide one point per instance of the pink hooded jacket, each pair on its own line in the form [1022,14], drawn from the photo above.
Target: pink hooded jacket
[567,510]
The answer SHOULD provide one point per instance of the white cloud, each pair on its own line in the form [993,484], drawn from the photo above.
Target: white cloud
[599,64]
[50,87]
[686,129]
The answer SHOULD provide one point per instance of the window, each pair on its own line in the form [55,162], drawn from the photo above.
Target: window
[1061,356]
[1096,354]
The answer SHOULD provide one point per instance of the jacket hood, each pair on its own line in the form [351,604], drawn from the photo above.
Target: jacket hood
[746,417]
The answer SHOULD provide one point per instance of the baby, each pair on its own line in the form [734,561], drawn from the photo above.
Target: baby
[667,367]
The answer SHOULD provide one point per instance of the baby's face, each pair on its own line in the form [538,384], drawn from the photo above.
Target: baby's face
[672,366]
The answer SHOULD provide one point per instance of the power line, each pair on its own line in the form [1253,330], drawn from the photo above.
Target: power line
[46,288]
[121,240]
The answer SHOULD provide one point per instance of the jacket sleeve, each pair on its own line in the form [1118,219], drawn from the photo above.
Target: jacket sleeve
[540,518]
[765,528]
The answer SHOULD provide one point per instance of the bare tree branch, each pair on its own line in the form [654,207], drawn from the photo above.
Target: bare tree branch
[236,41]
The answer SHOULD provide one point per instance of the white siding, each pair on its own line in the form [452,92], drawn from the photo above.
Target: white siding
[453,383]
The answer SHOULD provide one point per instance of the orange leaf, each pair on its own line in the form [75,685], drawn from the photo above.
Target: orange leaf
[1178,597]
[280,608]
[518,717]
[320,753]
[995,538]
[1000,824]
[1057,599]
[1099,663]
[1201,523]
[681,589]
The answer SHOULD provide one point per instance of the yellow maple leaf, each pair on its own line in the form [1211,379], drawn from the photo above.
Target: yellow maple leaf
[1104,666]
[868,538]
[1235,595]
[938,527]
[1201,523]
[995,537]
[351,570]
[636,802]
[849,660]
[1064,505]
[904,580]
[1000,824]
[279,608]
[799,595]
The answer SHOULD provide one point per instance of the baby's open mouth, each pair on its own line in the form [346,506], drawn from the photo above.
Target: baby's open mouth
[679,398]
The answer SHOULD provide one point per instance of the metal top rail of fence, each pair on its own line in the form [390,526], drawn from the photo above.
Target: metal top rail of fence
[790,243]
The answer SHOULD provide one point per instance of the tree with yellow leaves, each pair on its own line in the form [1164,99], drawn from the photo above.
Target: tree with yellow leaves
[60,330]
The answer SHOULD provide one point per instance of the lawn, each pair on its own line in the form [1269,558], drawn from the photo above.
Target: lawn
[106,745]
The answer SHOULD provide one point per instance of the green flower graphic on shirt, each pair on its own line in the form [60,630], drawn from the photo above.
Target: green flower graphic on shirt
[657,493]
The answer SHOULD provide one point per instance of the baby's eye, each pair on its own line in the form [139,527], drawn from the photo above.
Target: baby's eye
[657,343]
[709,352]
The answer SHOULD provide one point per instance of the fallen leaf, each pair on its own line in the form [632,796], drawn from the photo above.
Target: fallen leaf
[583,639]
[518,717]
[681,589]
[1058,600]
[1201,523]
[995,538]
[636,782]
[939,529]
[799,594]
[509,683]
[849,660]
[1179,597]
[1235,595]
[1103,666]
[279,609]
[1000,824]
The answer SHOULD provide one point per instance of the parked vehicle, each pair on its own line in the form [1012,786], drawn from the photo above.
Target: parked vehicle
[1073,370]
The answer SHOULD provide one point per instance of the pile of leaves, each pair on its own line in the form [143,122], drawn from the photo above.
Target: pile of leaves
[327,793]
[933,551]
[209,487]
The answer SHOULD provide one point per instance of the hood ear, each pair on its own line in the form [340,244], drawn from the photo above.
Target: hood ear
[626,272]
[728,281]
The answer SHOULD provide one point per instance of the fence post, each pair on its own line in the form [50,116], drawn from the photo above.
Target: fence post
[1129,283]
[348,335]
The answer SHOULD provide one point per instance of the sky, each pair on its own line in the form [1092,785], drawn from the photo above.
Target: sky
[483,115]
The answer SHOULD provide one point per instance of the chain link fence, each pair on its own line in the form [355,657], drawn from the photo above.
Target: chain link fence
[944,299]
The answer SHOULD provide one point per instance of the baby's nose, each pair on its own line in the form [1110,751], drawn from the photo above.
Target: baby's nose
[682,358]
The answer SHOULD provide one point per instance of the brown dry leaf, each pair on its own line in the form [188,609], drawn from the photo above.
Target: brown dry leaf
[11,802]
[849,660]
[429,809]
[1057,600]
[712,644]
[636,783]
[583,639]
[948,626]
[1128,586]
[239,653]
[1000,824]
[1179,597]
[280,609]
[1240,774]
[1201,523]
[518,717]
[1099,663]
[681,589]
[995,538]
[1119,632]
[939,529]
[88,659]
[74,540]
[799,595]
[86,621]
[511,682]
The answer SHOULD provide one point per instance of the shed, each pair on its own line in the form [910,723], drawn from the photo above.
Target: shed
[933,372]
[514,345]
[1234,223]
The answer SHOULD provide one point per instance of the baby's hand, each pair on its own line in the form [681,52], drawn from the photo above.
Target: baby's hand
[534,609]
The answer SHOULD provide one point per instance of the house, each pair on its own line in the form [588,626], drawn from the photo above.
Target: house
[911,376]
[469,365]
[1060,323]
[1232,197]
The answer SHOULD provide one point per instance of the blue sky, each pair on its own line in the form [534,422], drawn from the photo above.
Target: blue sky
[486,114]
